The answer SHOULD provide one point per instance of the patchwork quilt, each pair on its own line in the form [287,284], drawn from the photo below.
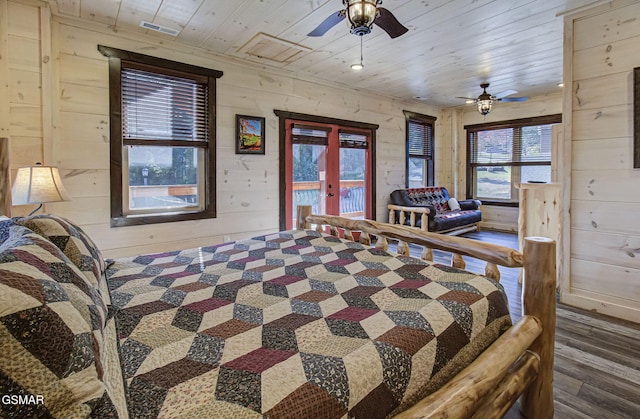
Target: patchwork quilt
[295,324]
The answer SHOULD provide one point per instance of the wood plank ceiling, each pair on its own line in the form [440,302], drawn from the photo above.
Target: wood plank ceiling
[451,46]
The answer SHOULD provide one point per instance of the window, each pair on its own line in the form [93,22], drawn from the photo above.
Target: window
[162,139]
[420,144]
[505,153]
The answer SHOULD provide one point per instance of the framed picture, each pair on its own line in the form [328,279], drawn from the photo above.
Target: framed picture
[249,134]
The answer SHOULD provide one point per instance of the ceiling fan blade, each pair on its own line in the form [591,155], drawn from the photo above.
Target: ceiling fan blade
[513,99]
[506,93]
[389,23]
[328,23]
[466,98]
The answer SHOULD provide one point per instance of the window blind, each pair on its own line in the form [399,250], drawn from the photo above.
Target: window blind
[353,140]
[517,146]
[420,139]
[302,134]
[163,107]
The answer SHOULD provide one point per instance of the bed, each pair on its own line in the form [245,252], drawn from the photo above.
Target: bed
[302,323]
[299,323]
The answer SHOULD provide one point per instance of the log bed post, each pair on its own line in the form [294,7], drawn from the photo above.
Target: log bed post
[301,217]
[5,176]
[539,300]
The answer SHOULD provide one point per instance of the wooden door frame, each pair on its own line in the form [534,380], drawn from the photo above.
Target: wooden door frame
[283,116]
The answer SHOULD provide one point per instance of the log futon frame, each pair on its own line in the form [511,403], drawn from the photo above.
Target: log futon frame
[520,362]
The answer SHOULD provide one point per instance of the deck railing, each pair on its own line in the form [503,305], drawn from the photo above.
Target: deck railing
[162,196]
[352,197]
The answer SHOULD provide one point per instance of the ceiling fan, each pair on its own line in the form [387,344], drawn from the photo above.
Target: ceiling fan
[485,100]
[362,14]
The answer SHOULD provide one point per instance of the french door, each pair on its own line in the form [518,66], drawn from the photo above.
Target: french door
[328,166]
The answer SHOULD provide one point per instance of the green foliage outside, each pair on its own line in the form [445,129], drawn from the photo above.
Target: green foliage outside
[305,165]
[183,170]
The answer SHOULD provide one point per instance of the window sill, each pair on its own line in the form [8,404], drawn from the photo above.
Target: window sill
[498,203]
[161,218]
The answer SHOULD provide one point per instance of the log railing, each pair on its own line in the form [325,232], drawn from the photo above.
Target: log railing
[492,254]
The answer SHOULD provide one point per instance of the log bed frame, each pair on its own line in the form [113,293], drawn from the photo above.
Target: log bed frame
[5,178]
[520,362]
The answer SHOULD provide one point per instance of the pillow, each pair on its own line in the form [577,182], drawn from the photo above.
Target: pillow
[75,244]
[454,205]
[51,331]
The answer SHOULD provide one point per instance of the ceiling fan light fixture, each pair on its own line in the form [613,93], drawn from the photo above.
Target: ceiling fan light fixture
[484,106]
[485,100]
[361,14]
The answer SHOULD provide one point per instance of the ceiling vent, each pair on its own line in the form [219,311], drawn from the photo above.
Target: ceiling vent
[270,48]
[158,28]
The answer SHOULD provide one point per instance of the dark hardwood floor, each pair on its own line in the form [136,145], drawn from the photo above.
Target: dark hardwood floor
[597,358]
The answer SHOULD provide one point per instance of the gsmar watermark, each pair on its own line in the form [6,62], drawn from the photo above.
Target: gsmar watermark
[21,399]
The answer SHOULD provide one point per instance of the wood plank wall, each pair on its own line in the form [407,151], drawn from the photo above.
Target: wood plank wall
[76,135]
[601,50]
[21,101]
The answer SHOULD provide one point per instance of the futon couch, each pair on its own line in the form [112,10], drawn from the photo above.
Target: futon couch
[432,209]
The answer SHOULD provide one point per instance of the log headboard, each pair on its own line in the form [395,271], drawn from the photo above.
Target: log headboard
[5,178]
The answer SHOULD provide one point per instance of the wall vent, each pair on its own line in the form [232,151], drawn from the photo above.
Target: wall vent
[159,28]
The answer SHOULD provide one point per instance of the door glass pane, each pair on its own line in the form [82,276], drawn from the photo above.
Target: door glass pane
[493,182]
[162,178]
[352,184]
[309,177]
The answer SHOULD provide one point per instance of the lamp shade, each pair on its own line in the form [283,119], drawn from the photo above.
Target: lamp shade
[37,185]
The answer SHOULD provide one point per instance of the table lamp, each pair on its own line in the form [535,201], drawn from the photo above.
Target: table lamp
[38,185]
